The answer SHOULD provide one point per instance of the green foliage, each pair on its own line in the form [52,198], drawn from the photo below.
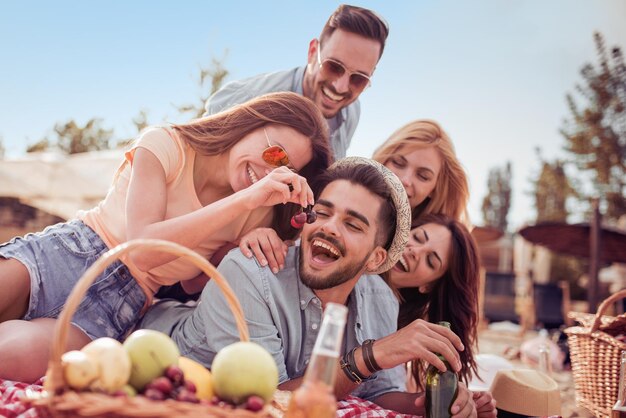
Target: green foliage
[216,73]
[552,191]
[42,145]
[72,138]
[496,204]
[2,149]
[596,133]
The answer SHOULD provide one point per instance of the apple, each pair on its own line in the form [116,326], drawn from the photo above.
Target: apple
[150,352]
[244,369]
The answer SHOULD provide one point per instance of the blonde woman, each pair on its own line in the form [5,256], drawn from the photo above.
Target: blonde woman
[422,155]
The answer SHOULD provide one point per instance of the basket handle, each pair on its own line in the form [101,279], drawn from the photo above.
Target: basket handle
[603,307]
[55,381]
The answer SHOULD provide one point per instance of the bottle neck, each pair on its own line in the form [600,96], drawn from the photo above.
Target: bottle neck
[322,368]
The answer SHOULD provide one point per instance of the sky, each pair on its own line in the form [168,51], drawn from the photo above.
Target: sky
[493,73]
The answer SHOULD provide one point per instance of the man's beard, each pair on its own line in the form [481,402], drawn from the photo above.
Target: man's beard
[336,278]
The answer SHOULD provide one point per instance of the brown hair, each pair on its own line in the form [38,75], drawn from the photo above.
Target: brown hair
[357,20]
[216,134]
[451,193]
[370,178]
[453,298]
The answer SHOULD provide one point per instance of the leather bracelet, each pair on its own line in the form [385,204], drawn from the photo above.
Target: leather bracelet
[349,367]
[368,356]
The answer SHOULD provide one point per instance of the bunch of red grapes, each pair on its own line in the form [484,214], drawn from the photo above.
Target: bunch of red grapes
[254,403]
[172,385]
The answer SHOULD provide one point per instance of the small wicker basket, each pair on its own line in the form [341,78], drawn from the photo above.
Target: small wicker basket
[595,355]
[60,401]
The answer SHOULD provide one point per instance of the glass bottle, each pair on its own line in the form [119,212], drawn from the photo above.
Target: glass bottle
[619,409]
[545,360]
[316,398]
[441,388]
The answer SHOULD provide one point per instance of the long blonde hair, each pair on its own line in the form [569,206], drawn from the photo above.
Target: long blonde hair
[451,193]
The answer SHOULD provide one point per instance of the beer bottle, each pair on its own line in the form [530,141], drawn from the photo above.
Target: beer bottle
[619,409]
[316,398]
[441,388]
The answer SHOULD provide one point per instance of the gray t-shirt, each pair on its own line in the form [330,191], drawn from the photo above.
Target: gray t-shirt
[341,127]
[283,315]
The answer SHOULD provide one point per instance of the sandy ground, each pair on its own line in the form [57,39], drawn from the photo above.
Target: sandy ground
[496,342]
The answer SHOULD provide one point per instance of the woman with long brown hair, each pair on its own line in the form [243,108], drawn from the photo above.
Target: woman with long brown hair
[437,280]
[199,184]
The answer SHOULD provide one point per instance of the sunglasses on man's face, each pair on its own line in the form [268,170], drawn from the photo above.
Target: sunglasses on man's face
[274,155]
[334,69]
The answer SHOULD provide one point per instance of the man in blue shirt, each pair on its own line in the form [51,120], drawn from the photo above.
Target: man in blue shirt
[362,226]
[340,65]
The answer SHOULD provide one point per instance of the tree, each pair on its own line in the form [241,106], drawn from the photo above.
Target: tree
[552,191]
[217,74]
[596,133]
[497,203]
[73,139]
[2,149]
[42,145]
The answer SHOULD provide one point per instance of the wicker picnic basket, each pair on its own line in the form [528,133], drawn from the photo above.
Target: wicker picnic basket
[60,401]
[595,355]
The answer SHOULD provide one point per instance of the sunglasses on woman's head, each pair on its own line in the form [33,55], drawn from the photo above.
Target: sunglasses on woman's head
[334,69]
[274,155]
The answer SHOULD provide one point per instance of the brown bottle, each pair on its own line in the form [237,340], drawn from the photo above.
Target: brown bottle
[316,398]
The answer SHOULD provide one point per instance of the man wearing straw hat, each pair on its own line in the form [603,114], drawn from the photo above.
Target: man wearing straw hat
[362,226]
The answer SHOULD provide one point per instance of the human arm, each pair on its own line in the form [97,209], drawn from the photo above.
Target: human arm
[485,404]
[146,206]
[414,342]
[266,246]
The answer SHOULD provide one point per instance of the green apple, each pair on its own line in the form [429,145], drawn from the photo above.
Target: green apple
[150,352]
[243,369]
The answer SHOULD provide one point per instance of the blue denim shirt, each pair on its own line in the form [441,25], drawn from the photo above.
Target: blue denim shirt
[342,126]
[283,315]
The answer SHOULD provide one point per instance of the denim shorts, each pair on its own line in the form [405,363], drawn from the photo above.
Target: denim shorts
[56,259]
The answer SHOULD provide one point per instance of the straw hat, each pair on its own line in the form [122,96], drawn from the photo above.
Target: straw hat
[526,392]
[400,201]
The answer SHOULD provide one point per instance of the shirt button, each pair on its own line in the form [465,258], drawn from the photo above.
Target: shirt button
[306,361]
[314,326]
[302,302]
